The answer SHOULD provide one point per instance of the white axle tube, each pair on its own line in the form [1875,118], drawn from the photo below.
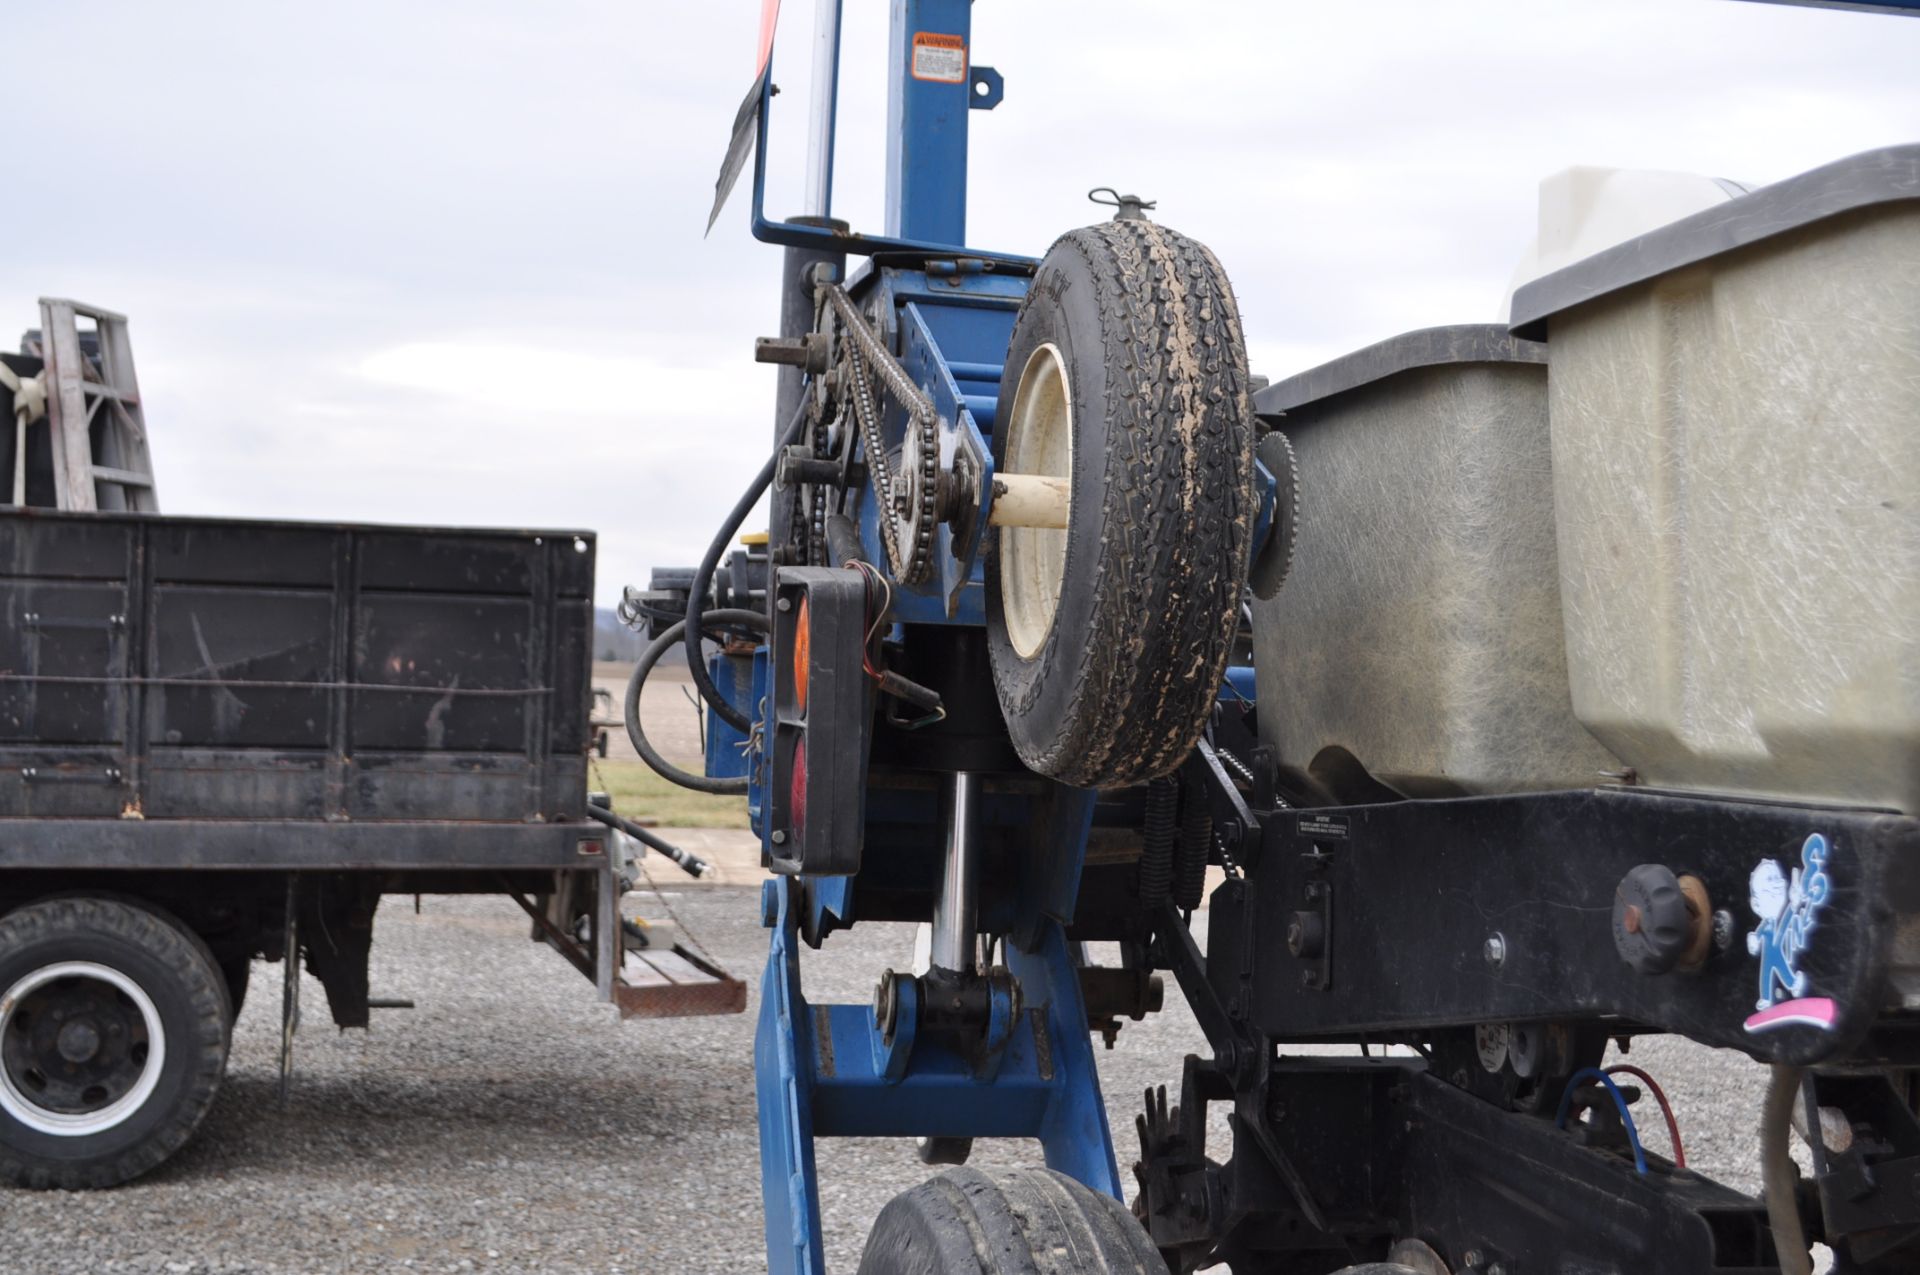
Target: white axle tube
[1029,500]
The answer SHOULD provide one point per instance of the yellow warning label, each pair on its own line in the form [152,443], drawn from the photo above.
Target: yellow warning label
[941,58]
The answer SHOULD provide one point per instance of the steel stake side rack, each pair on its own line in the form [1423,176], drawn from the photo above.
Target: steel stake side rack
[987,672]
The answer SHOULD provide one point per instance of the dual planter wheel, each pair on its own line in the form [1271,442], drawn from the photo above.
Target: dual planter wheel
[114,1028]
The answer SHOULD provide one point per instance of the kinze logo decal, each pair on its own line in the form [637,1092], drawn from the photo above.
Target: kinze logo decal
[1789,909]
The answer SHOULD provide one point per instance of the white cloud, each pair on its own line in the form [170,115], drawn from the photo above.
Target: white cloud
[545,383]
[442,262]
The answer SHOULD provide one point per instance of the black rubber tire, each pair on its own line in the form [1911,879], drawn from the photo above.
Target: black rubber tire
[175,970]
[232,993]
[1162,510]
[1030,1221]
[236,972]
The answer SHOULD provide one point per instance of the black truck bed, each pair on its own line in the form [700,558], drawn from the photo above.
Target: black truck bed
[378,695]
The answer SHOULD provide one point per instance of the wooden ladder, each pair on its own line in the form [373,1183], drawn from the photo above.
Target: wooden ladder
[100,455]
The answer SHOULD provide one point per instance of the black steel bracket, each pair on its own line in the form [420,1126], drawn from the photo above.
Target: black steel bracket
[1500,910]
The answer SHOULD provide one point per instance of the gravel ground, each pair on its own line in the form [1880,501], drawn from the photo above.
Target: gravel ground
[510,1123]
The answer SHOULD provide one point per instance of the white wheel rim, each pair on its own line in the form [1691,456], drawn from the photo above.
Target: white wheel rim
[1033,560]
[17,1103]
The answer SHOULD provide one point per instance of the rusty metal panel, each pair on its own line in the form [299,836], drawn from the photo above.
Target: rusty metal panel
[254,663]
[39,545]
[70,638]
[203,668]
[196,551]
[235,783]
[681,1000]
[435,785]
[462,661]
[408,560]
[296,845]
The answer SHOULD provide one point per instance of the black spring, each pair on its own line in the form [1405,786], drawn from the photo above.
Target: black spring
[1159,836]
[1196,844]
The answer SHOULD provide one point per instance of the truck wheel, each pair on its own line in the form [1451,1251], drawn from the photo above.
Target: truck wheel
[236,972]
[966,1222]
[1126,376]
[113,1038]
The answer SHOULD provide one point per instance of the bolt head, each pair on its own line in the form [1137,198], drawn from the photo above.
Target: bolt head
[1306,935]
[1494,950]
[886,1004]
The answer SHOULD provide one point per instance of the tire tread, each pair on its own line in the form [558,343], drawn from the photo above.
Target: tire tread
[1008,1222]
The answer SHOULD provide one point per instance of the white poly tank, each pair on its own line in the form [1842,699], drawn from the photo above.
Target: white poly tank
[1735,418]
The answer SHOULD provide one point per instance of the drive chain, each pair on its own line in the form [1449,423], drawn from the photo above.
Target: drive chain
[909,513]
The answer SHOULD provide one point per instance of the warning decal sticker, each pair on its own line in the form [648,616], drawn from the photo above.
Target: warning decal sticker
[942,58]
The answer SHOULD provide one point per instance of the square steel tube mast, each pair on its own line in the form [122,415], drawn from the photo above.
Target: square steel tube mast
[928,91]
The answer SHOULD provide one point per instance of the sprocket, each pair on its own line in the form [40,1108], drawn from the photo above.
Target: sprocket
[916,508]
[1270,566]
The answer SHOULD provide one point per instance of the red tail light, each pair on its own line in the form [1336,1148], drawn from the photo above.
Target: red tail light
[797,789]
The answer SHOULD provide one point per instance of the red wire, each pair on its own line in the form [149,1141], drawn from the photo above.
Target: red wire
[1666,1108]
[866,646]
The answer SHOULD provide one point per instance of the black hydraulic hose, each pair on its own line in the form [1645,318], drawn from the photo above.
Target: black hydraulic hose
[637,733]
[703,578]
[693,863]
[843,540]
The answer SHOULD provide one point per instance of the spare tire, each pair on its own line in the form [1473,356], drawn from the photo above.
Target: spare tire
[1126,376]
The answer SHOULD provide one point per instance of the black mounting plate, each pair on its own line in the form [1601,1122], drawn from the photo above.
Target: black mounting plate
[1500,909]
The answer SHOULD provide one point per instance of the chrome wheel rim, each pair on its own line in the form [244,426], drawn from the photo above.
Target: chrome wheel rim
[81,1048]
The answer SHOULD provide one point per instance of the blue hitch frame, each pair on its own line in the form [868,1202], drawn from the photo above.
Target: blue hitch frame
[825,1071]
[829,1070]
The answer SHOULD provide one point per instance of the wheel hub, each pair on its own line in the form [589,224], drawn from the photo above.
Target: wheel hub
[78,1041]
[81,1047]
[1033,560]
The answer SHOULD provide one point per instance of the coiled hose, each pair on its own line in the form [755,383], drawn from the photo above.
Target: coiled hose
[651,656]
[703,580]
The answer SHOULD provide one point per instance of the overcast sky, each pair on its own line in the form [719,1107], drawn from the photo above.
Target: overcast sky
[442,262]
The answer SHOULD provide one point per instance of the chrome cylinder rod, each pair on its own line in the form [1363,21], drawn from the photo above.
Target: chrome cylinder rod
[956,910]
[822,109]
